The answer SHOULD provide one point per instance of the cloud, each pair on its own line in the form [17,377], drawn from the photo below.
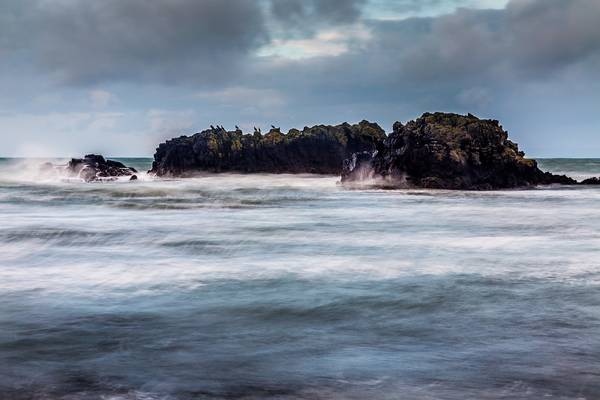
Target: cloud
[205,43]
[242,97]
[214,43]
[297,62]
[325,43]
[100,98]
[401,9]
[528,41]
[544,35]
[475,97]
[491,62]
[82,42]
[311,14]
[527,37]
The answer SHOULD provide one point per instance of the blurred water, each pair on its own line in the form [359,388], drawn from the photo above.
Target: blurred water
[287,287]
[577,168]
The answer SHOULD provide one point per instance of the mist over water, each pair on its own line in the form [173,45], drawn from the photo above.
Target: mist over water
[291,287]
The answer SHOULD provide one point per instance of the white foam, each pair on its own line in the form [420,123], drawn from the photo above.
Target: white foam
[325,232]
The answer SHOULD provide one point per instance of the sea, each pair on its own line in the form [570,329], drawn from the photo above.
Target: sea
[291,287]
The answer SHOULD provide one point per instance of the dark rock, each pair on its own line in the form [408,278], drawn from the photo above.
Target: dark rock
[95,168]
[447,151]
[591,181]
[320,150]
[133,178]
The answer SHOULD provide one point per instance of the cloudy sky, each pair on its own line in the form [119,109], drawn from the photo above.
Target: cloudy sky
[118,76]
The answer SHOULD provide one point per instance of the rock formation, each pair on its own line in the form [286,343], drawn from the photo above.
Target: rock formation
[447,151]
[437,150]
[320,150]
[91,168]
[591,181]
[95,168]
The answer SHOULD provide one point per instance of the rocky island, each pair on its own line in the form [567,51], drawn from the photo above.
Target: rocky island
[437,150]
[319,149]
[448,151]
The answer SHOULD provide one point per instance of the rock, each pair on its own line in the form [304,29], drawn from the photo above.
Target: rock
[320,150]
[447,151]
[95,168]
[591,181]
[133,178]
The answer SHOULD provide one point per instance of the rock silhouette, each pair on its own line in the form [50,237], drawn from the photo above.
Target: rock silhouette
[94,167]
[319,149]
[437,150]
[447,151]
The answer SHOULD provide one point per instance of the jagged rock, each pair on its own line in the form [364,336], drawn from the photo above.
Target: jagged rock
[591,181]
[95,168]
[447,151]
[320,150]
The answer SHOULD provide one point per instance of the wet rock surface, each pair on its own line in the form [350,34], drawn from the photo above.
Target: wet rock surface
[319,149]
[447,151]
[91,168]
[94,167]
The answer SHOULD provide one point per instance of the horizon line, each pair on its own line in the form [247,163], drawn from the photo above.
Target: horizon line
[152,156]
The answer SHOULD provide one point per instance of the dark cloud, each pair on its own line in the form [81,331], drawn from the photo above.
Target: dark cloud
[168,40]
[534,37]
[534,63]
[528,41]
[522,60]
[549,34]
[212,42]
[205,43]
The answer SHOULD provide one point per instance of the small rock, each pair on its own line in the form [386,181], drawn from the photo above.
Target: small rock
[92,168]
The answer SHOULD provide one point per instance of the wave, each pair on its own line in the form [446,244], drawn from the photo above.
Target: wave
[33,170]
[282,286]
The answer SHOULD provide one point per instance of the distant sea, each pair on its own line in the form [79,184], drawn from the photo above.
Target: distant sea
[290,287]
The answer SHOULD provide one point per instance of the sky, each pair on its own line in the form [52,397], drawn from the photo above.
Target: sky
[118,77]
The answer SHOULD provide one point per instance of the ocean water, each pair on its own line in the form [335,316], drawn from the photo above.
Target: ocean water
[290,287]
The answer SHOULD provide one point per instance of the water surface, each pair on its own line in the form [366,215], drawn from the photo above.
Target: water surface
[290,287]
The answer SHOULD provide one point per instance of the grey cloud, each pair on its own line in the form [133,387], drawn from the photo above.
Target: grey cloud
[205,43]
[525,42]
[306,13]
[469,60]
[543,35]
[211,43]
[528,37]
[481,61]
[84,42]
[404,6]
